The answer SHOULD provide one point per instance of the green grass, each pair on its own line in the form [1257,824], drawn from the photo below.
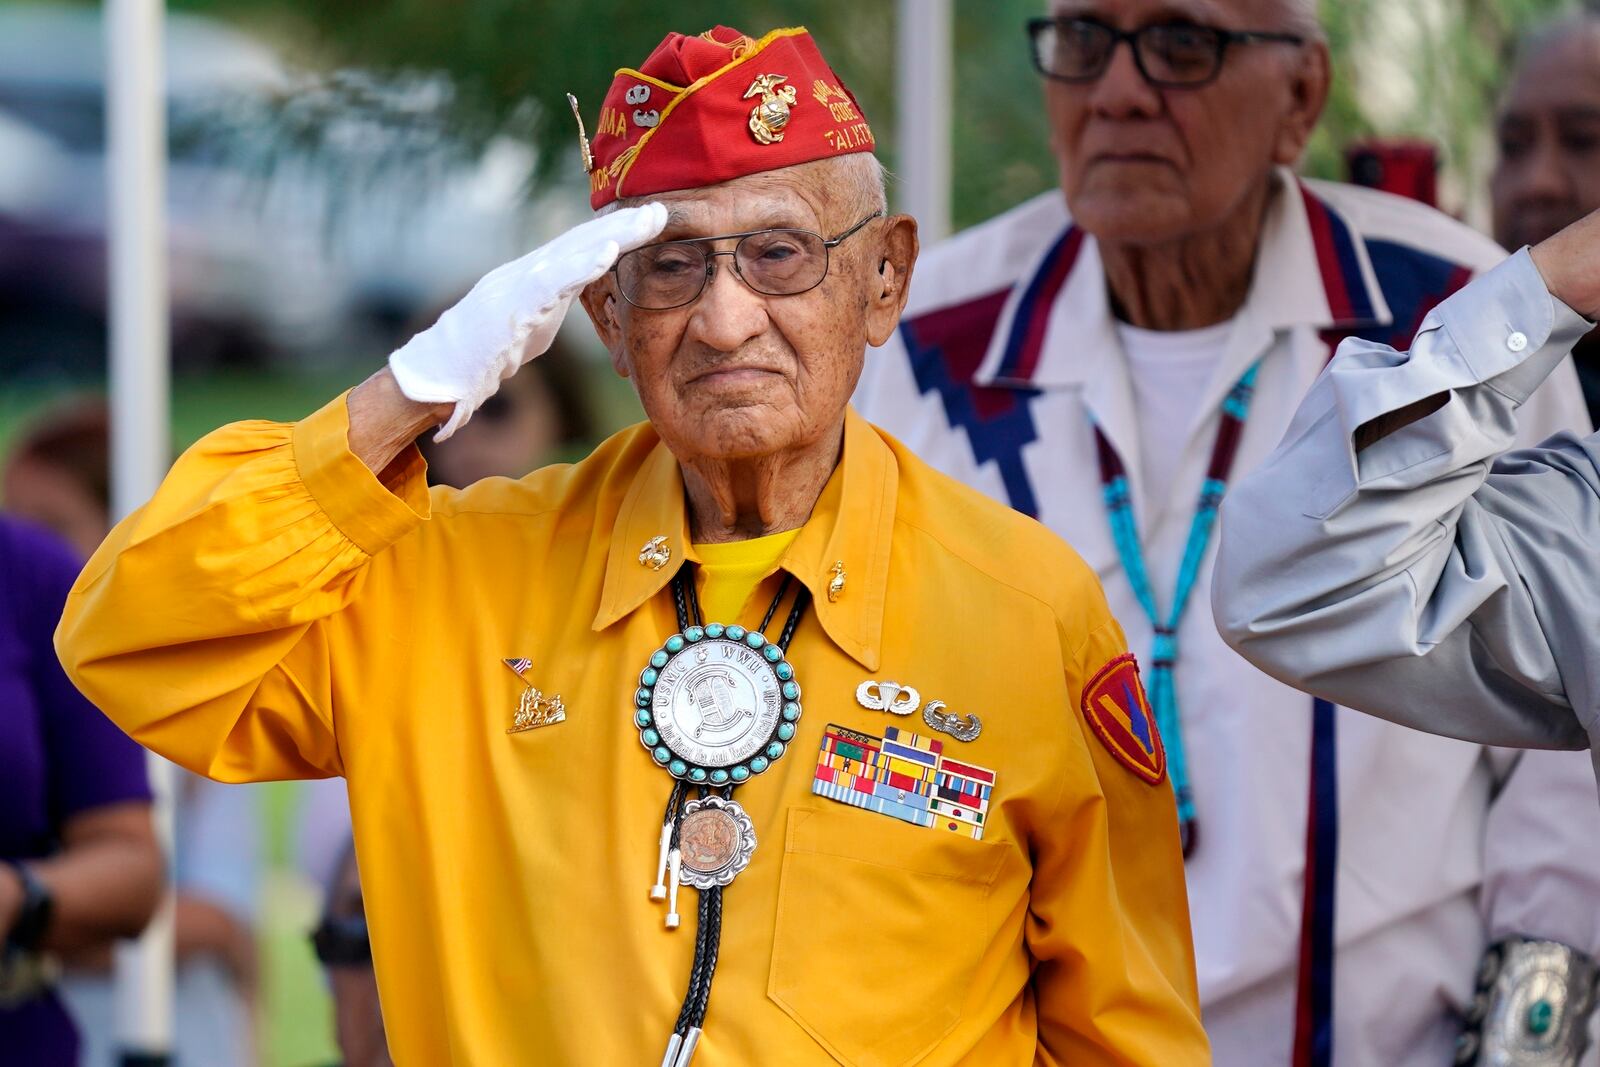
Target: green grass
[296,1015]
[201,403]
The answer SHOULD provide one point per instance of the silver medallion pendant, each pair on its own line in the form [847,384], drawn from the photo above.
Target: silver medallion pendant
[717,704]
[716,840]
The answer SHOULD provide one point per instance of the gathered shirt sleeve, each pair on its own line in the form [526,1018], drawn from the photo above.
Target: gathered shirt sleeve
[200,625]
[1136,1002]
[1421,578]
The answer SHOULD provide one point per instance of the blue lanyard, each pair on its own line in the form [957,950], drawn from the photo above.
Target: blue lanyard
[1125,532]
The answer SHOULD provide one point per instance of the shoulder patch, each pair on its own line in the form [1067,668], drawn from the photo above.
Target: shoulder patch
[1119,714]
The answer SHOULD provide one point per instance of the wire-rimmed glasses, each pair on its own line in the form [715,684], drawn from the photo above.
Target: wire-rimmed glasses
[776,262]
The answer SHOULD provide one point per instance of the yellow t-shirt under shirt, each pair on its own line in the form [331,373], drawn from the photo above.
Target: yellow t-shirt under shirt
[730,572]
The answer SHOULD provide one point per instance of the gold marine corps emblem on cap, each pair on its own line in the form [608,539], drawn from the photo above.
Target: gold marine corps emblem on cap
[771,115]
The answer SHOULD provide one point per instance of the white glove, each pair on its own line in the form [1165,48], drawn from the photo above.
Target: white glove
[512,314]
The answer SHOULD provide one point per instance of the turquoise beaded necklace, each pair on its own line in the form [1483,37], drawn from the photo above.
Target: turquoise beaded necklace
[1125,532]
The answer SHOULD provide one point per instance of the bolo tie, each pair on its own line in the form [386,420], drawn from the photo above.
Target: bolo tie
[716,705]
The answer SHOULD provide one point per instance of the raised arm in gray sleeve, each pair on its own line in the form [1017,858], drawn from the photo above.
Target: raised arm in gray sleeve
[1408,579]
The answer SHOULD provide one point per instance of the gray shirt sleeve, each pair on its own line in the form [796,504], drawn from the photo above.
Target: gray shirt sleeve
[1421,579]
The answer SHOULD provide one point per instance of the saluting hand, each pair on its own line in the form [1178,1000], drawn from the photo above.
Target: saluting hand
[512,314]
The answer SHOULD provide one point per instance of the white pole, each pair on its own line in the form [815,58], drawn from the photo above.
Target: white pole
[136,160]
[923,102]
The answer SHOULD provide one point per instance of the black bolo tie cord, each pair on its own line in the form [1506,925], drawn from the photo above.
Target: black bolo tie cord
[708,925]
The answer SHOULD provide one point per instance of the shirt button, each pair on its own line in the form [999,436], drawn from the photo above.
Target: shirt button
[1517,341]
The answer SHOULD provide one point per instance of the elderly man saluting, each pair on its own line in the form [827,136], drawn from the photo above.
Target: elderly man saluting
[1108,361]
[860,719]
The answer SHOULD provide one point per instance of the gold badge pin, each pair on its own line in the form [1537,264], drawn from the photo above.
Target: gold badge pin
[656,553]
[534,709]
[836,586]
[771,115]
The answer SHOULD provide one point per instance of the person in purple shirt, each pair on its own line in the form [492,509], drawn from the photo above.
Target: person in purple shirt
[79,863]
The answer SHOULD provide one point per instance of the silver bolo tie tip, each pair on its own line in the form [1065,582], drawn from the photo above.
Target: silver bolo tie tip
[673,1044]
[658,892]
[691,1041]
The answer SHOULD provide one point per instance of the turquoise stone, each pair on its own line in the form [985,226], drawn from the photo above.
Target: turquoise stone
[678,768]
[735,633]
[773,653]
[642,697]
[791,711]
[786,731]
[714,629]
[694,633]
[642,718]
[1540,1015]
[739,773]
[697,774]
[783,670]
[719,777]
[775,750]
[650,737]
[759,764]
[675,643]
[649,676]
[791,691]
[658,660]
[661,754]
[754,640]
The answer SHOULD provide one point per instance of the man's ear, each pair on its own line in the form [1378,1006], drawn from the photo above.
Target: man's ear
[600,302]
[1308,94]
[888,285]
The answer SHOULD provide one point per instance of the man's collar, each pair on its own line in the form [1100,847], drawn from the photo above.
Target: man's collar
[851,525]
[1311,269]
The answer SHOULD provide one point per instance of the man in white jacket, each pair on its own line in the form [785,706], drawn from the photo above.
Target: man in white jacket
[1107,362]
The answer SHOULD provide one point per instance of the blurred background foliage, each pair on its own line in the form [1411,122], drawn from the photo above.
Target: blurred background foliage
[1428,68]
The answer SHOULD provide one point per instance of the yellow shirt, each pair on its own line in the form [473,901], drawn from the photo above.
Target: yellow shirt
[277,611]
[731,572]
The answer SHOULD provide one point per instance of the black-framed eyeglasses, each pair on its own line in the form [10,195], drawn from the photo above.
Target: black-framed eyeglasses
[342,941]
[1170,55]
[781,262]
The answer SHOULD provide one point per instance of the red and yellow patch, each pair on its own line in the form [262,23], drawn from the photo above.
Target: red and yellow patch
[1120,715]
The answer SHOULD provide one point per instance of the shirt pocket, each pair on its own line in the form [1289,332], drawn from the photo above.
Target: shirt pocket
[880,927]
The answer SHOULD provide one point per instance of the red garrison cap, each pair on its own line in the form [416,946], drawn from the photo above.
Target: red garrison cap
[705,109]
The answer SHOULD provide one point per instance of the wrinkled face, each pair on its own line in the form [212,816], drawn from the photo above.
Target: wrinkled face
[1147,165]
[1548,131]
[736,374]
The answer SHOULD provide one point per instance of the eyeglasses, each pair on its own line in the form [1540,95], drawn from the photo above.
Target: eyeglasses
[782,262]
[1170,55]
